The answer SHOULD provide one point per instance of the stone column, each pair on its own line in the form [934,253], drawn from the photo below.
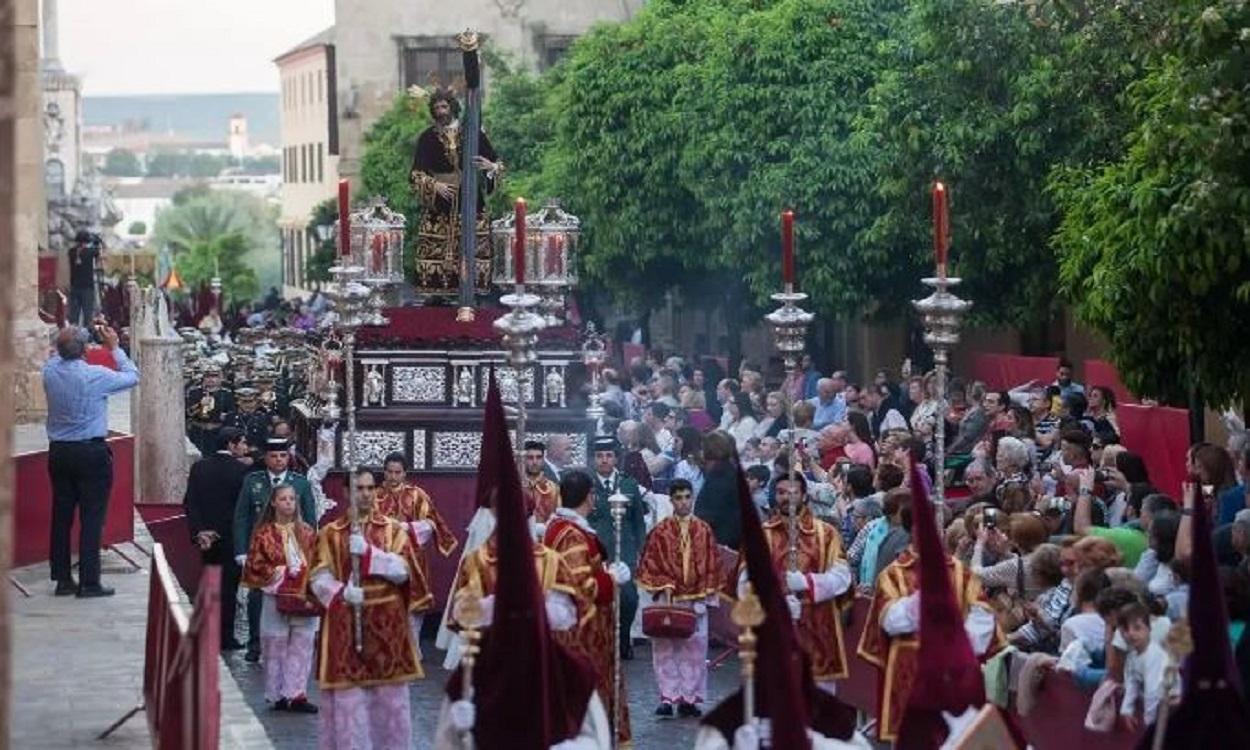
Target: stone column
[160,432]
[14,26]
[51,37]
[30,336]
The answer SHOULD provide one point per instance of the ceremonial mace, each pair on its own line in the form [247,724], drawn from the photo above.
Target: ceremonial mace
[748,614]
[468,612]
[941,311]
[616,503]
[353,308]
[790,323]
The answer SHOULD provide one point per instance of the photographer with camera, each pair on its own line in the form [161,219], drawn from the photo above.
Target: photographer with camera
[82,277]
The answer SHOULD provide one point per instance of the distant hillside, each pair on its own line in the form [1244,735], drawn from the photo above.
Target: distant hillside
[195,116]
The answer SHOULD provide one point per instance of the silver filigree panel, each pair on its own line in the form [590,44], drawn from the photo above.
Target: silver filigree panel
[455,450]
[418,450]
[419,385]
[373,446]
[507,377]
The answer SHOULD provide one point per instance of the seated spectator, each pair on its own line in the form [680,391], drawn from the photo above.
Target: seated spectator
[1144,668]
[1130,542]
[973,424]
[877,403]
[1014,538]
[1101,409]
[741,424]
[831,444]
[1233,499]
[858,446]
[1158,577]
[852,483]
[898,510]
[863,552]
[758,478]
[1045,610]
[774,419]
[981,480]
[956,540]
[689,444]
[1095,553]
[1012,460]
[1178,598]
[829,406]
[1085,625]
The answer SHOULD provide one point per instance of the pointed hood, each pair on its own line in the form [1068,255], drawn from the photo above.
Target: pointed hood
[1213,711]
[953,680]
[535,696]
[494,425]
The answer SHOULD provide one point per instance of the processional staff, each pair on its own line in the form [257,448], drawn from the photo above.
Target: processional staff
[468,612]
[468,41]
[748,614]
[616,503]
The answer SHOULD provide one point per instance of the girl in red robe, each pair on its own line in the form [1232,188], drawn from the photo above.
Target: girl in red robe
[277,564]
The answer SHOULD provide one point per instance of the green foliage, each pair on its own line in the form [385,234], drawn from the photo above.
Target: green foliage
[387,162]
[1155,246]
[318,267]
[221,256]
[137,227]
[120,162]
[202,217]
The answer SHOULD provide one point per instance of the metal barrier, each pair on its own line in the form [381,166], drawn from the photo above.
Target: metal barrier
[181,696]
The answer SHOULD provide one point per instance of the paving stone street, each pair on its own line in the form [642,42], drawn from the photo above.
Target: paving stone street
[290,731]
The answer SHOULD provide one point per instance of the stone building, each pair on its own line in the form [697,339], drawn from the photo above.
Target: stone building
[337,84]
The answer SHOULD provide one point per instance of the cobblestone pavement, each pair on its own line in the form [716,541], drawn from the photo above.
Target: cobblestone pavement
[78,664]
[289,731]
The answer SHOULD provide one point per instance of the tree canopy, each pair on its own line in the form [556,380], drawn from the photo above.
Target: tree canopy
[1155,245]
[200,217]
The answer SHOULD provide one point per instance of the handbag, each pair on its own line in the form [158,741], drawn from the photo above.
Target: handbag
[670,621]
[293,601]
[1104,707]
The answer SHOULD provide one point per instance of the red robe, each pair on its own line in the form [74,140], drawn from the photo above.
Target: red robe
[819,625]
[542,497]
[408,503]
[267,554]
[680,558]
[480,572]
[389,655]
[595,634]
[896,656]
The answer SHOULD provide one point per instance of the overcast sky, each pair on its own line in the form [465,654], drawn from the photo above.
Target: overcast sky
[183,46]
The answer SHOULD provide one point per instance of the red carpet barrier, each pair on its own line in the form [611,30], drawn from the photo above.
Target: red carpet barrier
[1006,371]
[181,695]
[1098,372]
[168,526]
[1160,435]
[32,514]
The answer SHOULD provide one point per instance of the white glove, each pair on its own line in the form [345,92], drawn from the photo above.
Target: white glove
[356,544]
[294,568]
[567,745]
[240,560]
[746,737]
[796,608]
[488,610]
[620,573]
[796,581]
[700,608]
[912,604]
[353,595]
[463,715]
[423,531]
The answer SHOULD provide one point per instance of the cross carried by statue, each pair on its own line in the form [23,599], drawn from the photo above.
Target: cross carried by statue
[452,175]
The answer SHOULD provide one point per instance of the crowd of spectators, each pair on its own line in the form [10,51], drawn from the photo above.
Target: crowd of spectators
[1085,561]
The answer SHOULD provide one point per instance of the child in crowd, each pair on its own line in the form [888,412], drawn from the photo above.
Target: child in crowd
[277,563]
[1144,669]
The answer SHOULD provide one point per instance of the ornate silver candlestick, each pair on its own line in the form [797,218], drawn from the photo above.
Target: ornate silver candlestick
[790,323]
[594,354]
[519,329]
[942,311]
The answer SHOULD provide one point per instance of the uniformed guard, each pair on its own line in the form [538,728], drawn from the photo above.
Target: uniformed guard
[206,405]
[249,417]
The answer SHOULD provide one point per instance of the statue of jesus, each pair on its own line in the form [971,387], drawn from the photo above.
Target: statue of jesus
[436,179]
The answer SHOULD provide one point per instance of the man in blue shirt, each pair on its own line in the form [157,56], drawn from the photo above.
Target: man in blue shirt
[80,463]
[830,401]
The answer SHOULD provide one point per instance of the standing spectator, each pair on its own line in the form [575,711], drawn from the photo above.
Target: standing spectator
[1233,499]
[80,463]
[1063,379]
[82,278]
[717,502]
[1101,409]
[212,488]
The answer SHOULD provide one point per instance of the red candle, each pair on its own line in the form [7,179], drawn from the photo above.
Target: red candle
[941,224]
[787,246]
[377,254]
[345,222]
[518,245]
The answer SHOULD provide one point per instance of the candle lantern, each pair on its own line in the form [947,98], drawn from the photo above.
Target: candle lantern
[550,239]
[594,354]
[377,249]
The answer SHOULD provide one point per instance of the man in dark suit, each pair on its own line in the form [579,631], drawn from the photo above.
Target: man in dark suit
[212,489]
[253,497]
[608,482]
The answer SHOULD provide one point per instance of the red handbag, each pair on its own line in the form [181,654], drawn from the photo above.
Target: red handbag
[293,600]
[672,621]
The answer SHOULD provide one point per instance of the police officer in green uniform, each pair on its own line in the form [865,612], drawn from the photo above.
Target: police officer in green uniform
[608,482]
[253,497]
